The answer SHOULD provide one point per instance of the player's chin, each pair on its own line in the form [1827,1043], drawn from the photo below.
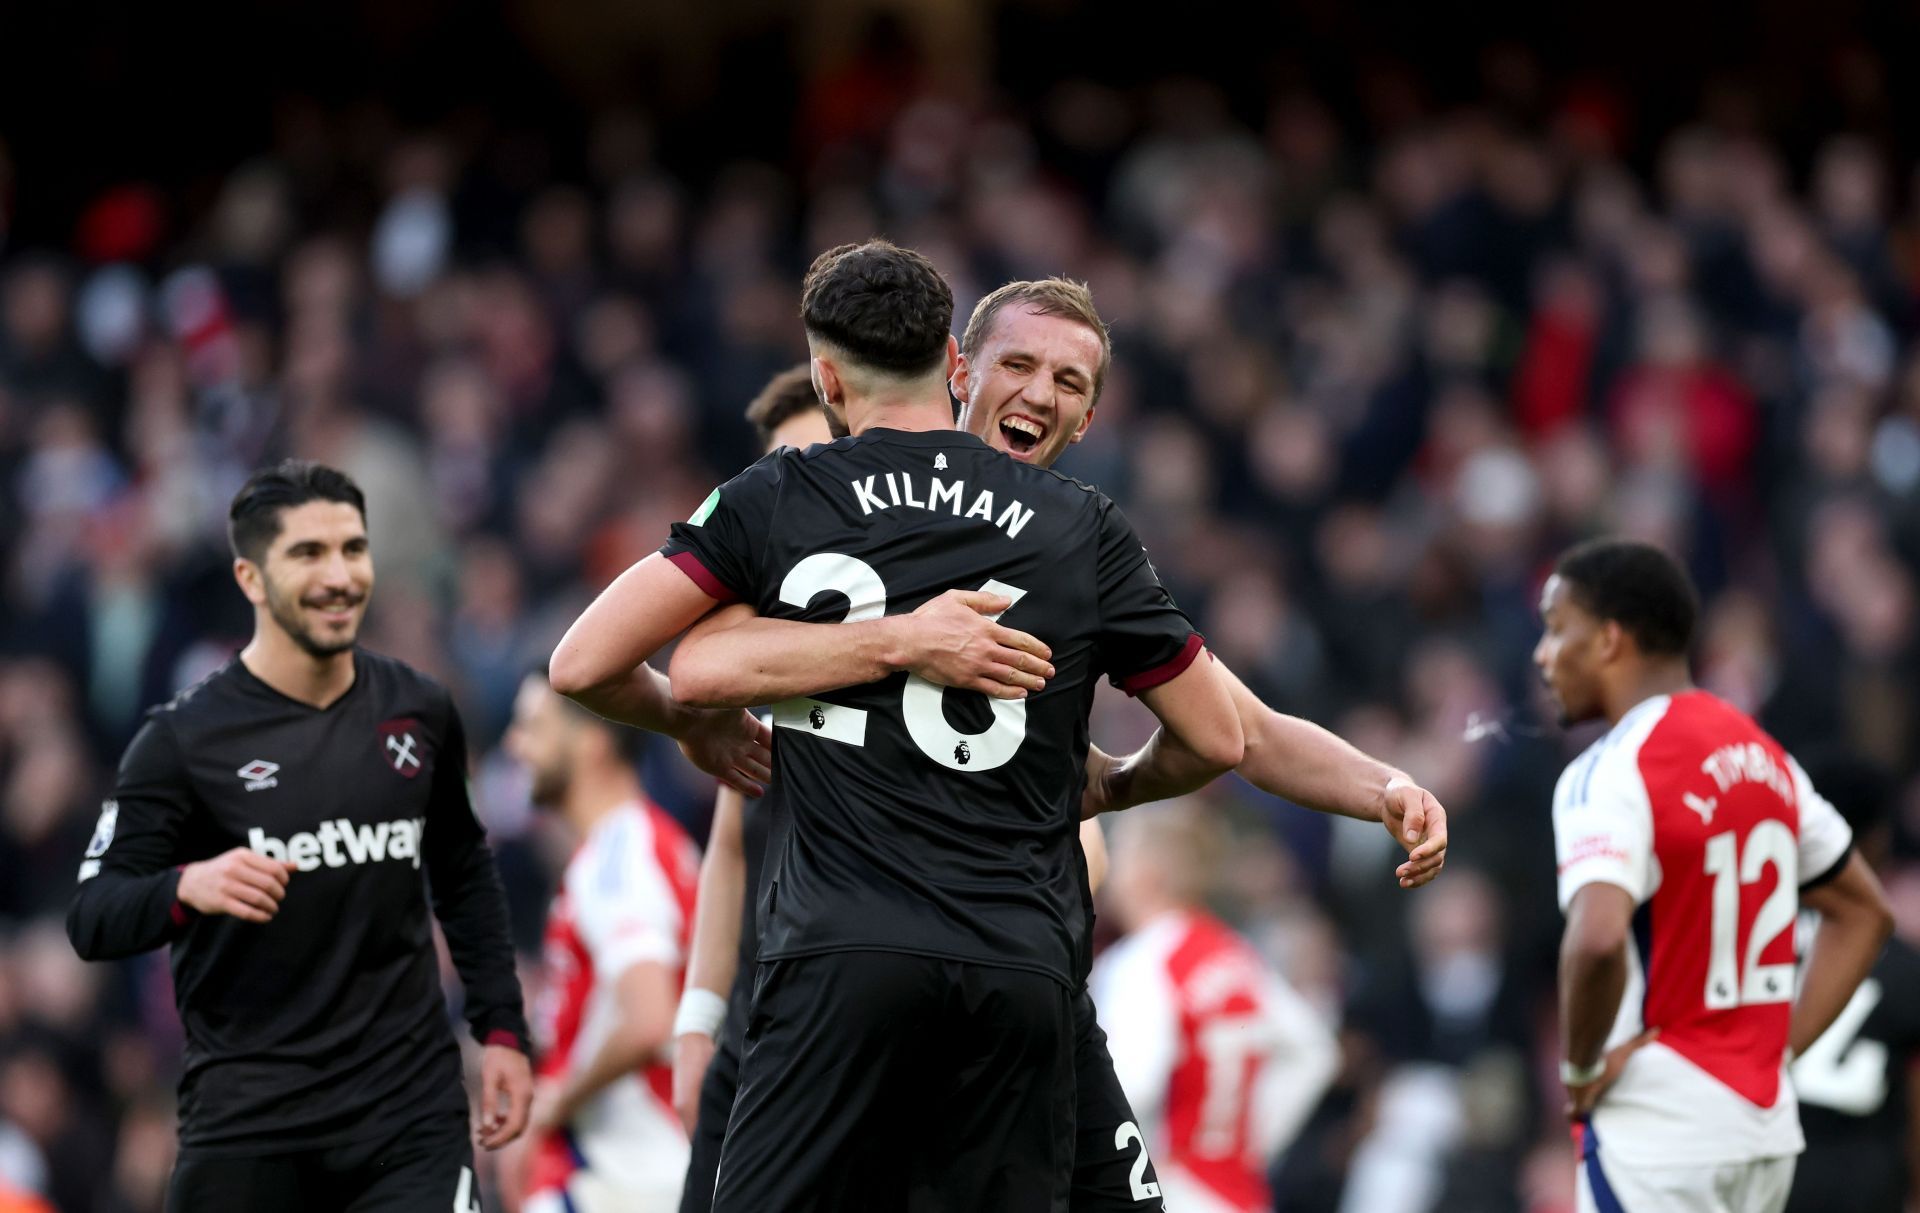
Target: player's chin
[332,638]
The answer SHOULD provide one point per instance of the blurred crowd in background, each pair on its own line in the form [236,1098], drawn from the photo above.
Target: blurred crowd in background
[1373,367]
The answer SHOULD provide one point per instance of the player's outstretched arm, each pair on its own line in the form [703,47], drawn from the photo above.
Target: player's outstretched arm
[1855,922]
[601,664]
[715,953]
[1299,761]
[735,658]
[1199,738]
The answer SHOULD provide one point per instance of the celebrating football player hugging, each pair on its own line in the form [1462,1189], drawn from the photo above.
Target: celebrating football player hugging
[1034,357]
[275,827]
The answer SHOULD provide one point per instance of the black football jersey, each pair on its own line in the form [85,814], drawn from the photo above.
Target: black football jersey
[1853,1089]
[326,1025]
[911,818]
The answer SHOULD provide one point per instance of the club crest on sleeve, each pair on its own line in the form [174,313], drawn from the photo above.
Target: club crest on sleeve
[103,830]
[403,744]
[706,509]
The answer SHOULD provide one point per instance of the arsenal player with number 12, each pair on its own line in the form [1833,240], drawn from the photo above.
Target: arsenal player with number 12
[1688,839]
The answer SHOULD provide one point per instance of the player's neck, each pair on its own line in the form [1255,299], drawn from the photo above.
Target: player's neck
[273,658]
[1647,682]
[593,795]
[913,413]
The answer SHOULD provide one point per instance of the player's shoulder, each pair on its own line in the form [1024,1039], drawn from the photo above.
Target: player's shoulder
[403,691]
[1613,758]
[383,670]
[202,697]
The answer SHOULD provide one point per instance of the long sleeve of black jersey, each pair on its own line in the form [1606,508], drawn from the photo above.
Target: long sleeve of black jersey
[723,545]
[468,899]
[1145,639]
[126,902]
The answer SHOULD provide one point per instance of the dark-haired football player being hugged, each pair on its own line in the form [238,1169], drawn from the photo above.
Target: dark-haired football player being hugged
[910,1041]
[279,826]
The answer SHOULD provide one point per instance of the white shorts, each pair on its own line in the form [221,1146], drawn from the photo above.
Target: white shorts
[1759,1186]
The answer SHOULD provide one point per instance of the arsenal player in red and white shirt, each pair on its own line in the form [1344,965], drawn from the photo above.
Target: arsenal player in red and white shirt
[1688,840]
[1222,1061]
[607,1139]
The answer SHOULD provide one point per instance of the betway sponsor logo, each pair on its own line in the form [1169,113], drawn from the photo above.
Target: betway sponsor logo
[339,842]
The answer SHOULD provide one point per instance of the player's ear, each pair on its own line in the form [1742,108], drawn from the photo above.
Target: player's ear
[1613,640]
[953,354]
[959,377]
[1085,421]
[826,381]
[250,580]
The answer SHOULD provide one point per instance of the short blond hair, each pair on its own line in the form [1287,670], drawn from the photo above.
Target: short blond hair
[1061,297]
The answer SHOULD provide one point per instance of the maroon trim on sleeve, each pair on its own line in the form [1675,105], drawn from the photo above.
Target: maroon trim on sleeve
[1166,671]
[709,585]
[503,1038]
[180,913]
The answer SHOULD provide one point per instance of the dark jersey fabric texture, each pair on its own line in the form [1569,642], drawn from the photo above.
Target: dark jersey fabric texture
[327,1024]
[1853,1089]
[912,819]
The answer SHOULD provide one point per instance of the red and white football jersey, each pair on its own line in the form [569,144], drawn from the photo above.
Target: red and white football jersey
[626,898]
[1710,825]
[1221,1060]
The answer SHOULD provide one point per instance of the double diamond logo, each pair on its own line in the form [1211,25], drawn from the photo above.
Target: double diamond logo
[259,774]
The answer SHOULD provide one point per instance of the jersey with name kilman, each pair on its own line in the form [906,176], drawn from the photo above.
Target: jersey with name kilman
[911,818]
[326,1025]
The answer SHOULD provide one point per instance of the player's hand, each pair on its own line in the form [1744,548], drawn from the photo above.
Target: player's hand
[1582,1100]
[733,746]
[951,642]
[506,1093]
[1417,822]
[242,883]
[692,1054]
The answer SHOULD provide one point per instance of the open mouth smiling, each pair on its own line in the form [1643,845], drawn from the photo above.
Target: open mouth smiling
[1021,433]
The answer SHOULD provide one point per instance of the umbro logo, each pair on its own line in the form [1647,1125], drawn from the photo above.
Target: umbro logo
[259,774]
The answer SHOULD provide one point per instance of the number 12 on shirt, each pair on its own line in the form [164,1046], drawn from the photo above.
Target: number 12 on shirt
[921,701]
[1730,984]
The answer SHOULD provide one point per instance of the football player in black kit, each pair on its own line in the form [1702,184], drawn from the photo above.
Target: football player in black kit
[910,1039]
[272,826]
[1857,1084]
[1037,352]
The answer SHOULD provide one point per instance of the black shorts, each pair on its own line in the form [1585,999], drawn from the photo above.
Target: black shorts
[880,1081]
[717,1090]
[1111,1170]
[428,1165]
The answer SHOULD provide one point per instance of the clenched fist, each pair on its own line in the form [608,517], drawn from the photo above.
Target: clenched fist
[242,883]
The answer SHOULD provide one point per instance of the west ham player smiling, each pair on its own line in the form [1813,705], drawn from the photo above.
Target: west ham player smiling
[1034,359]
[269,825]
[925,871]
